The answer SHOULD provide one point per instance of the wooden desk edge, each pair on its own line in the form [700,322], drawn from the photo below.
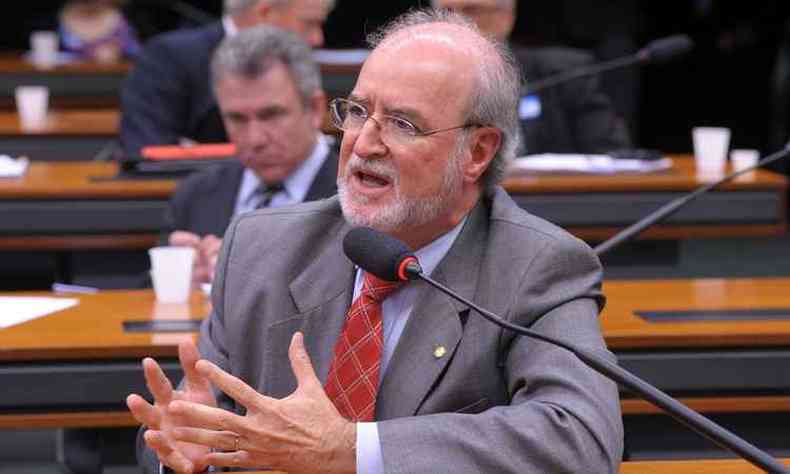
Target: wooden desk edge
[695,466]
[80,242]
[109,419]
[97,419]
[766,404]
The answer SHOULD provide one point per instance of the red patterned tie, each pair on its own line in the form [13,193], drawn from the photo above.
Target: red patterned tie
[353,380]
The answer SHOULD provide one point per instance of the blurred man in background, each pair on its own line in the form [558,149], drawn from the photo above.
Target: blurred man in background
[575,117]
[167,97]
[269,92]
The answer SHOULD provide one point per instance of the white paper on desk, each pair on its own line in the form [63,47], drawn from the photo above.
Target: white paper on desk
[590,164]
[11,168]
[20,309]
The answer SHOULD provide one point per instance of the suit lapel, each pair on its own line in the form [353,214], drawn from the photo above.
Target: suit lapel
[434,329]
[322,294]
[325,182]
[226,195]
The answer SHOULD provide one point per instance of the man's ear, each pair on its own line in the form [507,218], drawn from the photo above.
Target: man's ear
[318,106]
[484,144]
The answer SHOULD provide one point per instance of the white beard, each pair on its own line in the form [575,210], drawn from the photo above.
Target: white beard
[401,212]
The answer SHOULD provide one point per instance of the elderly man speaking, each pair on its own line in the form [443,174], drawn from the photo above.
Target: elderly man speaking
[389,378]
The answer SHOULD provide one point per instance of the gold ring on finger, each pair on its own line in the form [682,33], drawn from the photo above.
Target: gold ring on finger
[236,442]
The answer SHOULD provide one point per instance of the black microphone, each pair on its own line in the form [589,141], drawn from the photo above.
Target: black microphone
[664,49]
[673,206]
[660,50]
[386,257]
[390,259]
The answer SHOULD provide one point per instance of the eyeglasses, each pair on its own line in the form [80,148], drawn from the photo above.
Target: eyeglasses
[351,116]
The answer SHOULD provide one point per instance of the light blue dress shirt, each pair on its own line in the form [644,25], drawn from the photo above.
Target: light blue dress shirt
[395,311]
[295,186]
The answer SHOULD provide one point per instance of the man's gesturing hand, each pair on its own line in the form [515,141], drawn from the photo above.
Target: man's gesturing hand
[302,432]
[179,456]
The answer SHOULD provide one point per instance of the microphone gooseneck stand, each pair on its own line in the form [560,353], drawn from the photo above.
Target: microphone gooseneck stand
[659,50]
[671,207]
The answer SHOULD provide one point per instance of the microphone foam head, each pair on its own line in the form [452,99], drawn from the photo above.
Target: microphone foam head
[667,48]
[376,252]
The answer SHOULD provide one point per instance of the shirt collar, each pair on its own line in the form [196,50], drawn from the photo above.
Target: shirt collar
[433,253]
[298,183]
[428,256]
[229,26]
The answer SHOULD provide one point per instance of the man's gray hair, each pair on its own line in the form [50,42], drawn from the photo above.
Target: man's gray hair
[500,3]
[233,7]
[253,51]
[497,90]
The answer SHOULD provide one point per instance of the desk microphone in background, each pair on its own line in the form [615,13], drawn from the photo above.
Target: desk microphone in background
[660,50]
[673,206]
[390,259]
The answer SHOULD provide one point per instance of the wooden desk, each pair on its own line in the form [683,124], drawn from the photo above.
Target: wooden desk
[734,371]
[596,207]
[683,347]
[74,368]
[67,206]
[725,466]
[58,202]
[733,358]
[79,84]
[626,331]
[89,84]
[66,122]
[743,356]
[69,135]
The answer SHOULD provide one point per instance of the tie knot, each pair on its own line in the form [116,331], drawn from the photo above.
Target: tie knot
[272,187]
[377,289]
[264,193]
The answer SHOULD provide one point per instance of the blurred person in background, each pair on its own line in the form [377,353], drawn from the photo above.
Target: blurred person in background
[168,99]
[269,92]
[575,117]
[97,30]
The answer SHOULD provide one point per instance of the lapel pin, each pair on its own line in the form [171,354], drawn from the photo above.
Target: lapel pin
[439,352]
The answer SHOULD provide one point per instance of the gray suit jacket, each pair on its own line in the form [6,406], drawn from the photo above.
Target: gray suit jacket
[495,403]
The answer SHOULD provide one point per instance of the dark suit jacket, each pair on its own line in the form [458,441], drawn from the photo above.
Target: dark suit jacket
[203,203]
[495,402]
[575,117]
[168,93]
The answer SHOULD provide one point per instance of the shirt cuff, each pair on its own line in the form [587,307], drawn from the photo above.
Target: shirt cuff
[369,458]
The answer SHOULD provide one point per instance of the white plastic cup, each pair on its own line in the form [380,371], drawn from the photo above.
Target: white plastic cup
[743,158]
[44,49]
[171,273]
[32,103]
[710,148]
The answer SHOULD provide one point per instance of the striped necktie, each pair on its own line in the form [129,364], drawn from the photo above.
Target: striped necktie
[266,194]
